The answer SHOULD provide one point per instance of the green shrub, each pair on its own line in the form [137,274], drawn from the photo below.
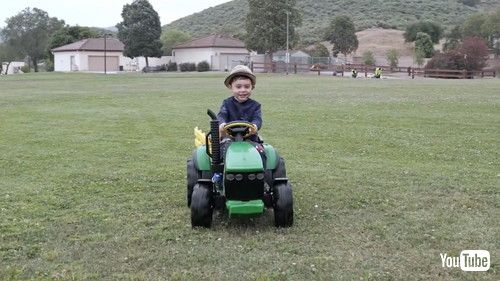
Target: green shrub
[368,58]
[25,68]
[49,66]
[187,66]
[319,51]
[392,57]
[419,57]
[435,31]
[203,66]
[424,44]
[172,66]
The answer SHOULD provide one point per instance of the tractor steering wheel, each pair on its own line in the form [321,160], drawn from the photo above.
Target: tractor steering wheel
[246,129]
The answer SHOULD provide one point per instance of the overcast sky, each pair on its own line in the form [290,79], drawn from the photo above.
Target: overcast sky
[102,13]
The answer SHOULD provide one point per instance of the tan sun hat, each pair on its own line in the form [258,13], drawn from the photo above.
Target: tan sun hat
[240,70]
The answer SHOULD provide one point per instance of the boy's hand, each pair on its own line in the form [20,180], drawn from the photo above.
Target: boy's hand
[255,129]
[221,130]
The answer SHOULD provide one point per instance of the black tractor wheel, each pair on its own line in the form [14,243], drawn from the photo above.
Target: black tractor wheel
[192,178]
[283,206]
[280,171]
[201,206]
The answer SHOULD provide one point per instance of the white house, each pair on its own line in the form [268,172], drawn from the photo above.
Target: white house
[219,51]
[88,55]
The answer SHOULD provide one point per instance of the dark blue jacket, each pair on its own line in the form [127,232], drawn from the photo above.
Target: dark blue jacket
[232,110]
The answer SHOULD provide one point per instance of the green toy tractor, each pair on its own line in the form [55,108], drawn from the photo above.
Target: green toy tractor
[243,180]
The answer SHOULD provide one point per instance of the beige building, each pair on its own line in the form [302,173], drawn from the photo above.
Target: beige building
[219,51]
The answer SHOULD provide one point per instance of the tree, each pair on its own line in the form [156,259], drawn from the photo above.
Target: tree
[266,25]
[392,57]
[71,34]
[453,38]
[368,58]
[419,57]
[491,28]
[68,35]
[319,51]
[452,60]
[423,44]
[7,54]
[473,26]
[342,34]
[435,31]
[29,32]
[171,38]
[486,26]
[140,30]
[475,52]
[472,54]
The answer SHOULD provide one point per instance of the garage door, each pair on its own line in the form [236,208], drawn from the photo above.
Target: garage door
[96,63]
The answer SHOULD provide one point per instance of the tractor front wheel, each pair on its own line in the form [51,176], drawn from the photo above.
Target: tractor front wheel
[283,206]
[201,206]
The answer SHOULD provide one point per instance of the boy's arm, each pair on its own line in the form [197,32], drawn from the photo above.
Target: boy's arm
[257,118]
[222,117]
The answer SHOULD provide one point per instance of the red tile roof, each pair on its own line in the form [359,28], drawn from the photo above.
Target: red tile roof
[92,44]
[212,41]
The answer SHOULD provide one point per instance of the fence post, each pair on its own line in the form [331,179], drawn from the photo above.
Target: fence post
[464,74]
[412,73]
[494,73]
[366,71]
[342,70]
[295,68]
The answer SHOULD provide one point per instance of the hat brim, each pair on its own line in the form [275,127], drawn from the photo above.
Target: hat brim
[232,75]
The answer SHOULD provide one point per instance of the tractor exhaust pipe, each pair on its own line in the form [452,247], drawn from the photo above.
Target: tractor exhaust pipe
[214,133]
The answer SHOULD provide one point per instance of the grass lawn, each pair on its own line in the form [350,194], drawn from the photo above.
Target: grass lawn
[387,174]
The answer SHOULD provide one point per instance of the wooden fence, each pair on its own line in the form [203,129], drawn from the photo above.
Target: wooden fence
[361,68]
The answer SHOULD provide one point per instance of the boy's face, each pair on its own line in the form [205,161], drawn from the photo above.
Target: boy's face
[241,89]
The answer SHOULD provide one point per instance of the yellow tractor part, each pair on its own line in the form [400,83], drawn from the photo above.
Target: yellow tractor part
[199,137]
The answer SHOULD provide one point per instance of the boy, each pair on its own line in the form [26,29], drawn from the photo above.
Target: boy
[240,107]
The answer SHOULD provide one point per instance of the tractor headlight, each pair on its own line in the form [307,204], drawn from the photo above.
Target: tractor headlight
[230,177]
[260,176]
[251,177]
[239,177]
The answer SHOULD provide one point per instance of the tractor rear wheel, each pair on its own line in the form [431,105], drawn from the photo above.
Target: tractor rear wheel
[280,171]
[192,178]
[283,206]
[201,206]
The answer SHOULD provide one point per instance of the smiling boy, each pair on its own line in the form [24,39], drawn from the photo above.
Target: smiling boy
[240,107]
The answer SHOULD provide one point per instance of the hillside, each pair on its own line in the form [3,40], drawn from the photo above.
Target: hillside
[229,18]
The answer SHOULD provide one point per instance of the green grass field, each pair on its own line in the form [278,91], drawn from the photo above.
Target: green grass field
[387,174]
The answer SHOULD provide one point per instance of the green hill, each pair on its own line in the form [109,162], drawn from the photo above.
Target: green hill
[229,18]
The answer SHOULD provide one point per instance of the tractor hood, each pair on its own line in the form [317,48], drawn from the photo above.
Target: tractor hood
[243,157]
